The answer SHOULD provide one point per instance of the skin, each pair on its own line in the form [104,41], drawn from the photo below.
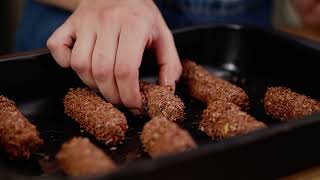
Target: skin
[309,11]
[103,42]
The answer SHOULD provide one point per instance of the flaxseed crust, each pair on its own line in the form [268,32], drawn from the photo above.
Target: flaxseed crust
[161,101]
[96,116]
[207,88]
[18,137]
[162,137]
[224,119]
[283,104]
[79,157]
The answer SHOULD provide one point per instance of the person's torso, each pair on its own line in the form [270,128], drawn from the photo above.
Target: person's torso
[181,13]
[218,8]
[40,21]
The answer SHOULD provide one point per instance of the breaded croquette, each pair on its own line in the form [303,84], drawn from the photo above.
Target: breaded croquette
[224,119]
[207,88]
[18,137]
[79,157]
[283,104]
[161,101]
[162,137]
[96,116]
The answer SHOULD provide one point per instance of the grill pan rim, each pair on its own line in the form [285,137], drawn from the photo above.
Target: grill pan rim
[202,150]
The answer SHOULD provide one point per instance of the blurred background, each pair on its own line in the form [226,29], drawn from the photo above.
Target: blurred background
[10,12]
[284,17]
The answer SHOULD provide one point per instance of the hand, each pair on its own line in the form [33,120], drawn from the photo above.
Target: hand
[309,11]
[103,42]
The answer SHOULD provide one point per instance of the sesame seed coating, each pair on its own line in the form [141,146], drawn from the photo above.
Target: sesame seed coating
[283,104]
[79,157]
[206,87]
[162,137]
[161,101]
[18,137]
[224,119]
[96,116]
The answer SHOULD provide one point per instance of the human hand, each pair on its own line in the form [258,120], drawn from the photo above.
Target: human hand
[309,11]
[103,42]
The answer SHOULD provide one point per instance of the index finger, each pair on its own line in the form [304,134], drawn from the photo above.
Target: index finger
[60,44]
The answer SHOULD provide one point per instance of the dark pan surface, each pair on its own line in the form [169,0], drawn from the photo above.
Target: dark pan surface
[250,58]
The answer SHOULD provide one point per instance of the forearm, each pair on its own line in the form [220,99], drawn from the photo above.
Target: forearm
[69,5]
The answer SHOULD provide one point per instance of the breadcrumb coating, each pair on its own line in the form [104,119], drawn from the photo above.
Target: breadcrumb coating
[208,88]
[283,104]
[79,157]
[96,116]
[18,137]
[162,137]
[161,101]
[224,119]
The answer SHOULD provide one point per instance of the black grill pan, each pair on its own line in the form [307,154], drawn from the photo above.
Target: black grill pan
[249,57]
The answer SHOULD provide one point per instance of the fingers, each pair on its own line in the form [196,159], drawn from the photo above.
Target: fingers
[168,59]
[81,56]
[304,6]
[313,18]
[110,57]
[309,11]
[103,62]
[129,55]
[60,44]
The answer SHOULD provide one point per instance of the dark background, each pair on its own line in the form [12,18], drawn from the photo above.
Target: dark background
[10,11]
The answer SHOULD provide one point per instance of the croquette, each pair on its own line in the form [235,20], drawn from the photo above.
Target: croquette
[18,137]
[283,104]
[79,157]
[207,87]
[96,116]
[224,119]
[161,101]
[162,137]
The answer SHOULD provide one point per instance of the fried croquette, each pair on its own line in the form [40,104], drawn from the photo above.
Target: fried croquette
[283,104]
[79,157]
[162,137]
[18,137]
[161,101]
[207,88]
[224,119]
[96,116]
